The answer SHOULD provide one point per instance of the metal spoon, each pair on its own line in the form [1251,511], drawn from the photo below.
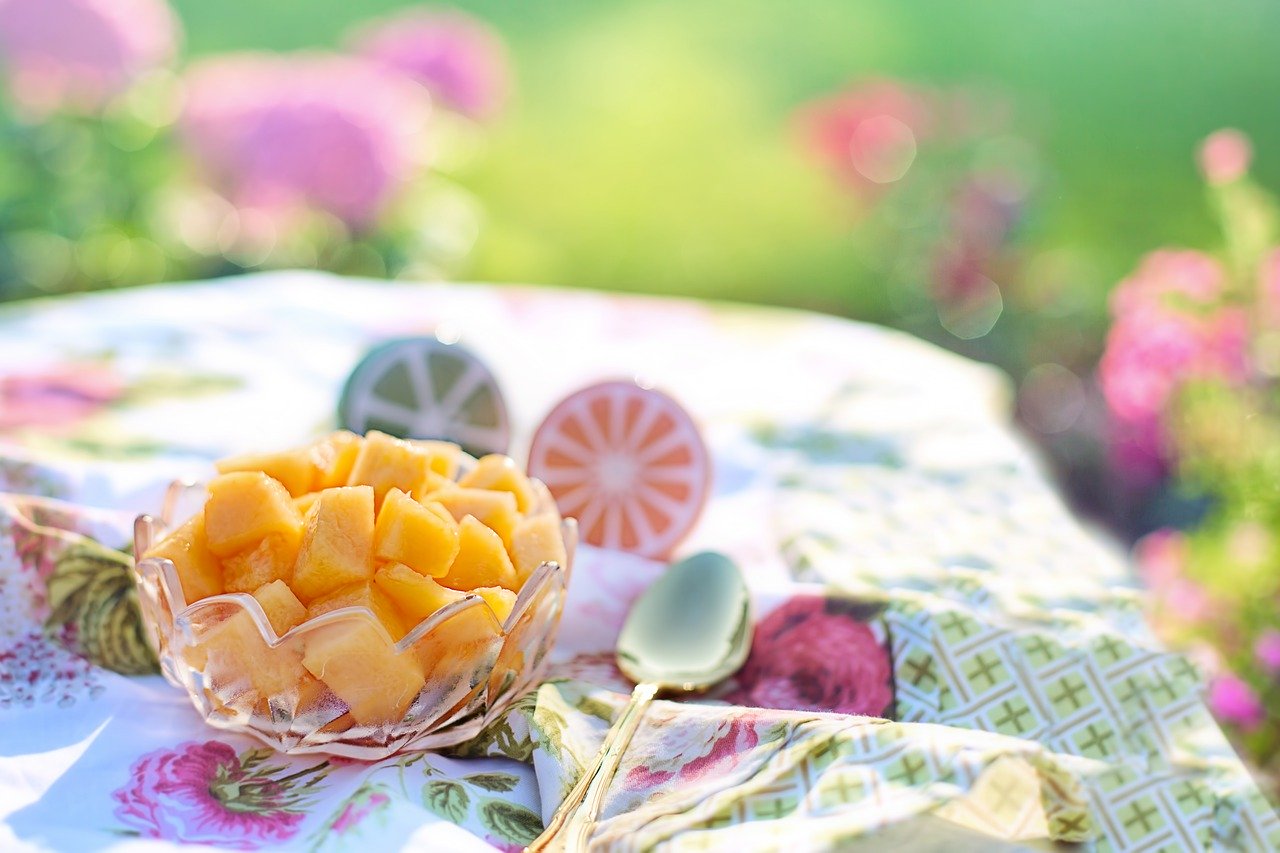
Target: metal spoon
[690,630]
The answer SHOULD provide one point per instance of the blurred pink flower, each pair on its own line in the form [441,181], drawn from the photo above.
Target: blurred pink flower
[1153,348]
[1267,650]
[867,136]
[1233,700]
[318,131]
[1224,156]
[77,54]
[1161,556]
[460,60]
[57,398]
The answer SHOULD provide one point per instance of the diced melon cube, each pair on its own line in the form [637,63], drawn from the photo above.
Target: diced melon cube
[482,560]
[430,485]
[198,569]
[235,650]
[387,463]
[305,502]
[500,473]
[294,469]
[362,595]
[243,508]
[334,456]
[284,610]
[500,601]
[496,510]
[407,532]
[537,539]
[337,542]
[270,560]
[414,595]
[444,455]
[362,668]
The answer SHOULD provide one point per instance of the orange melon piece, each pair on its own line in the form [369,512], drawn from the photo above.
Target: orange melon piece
[387,463]
[500,601]
[198,569]
[362,595]
[235,649]
[407,532]
[243,508]
[305,502]
[361,666]
[294,469]
[431,484]
[414,595]
[499,473]
[270,560]
[337,542]
[284,611]
[496,510]
[444,455]
[537,539]
[334,456]
[482,560]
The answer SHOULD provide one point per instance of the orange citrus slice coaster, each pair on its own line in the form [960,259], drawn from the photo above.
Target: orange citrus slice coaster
[628,462]
[425,388]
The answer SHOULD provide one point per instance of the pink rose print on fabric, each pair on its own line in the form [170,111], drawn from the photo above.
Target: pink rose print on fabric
[687,752]
[808,655]
[59,397]
[203,793]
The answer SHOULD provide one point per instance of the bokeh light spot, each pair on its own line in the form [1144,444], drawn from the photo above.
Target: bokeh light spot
[882,149]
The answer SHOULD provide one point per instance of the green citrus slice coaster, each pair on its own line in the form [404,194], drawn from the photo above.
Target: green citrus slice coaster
[628,462]
[424,388]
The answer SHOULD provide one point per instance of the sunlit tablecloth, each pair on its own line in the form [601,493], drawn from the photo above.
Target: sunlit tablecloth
[943,656]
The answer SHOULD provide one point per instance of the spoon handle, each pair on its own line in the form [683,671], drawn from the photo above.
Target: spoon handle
[571,824]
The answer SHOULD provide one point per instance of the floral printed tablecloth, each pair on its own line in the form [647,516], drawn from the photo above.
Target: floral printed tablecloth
[943,657]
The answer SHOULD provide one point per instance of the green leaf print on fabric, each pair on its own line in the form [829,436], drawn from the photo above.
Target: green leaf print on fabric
[448,799]
[510,821]
[94,609]
[496,782]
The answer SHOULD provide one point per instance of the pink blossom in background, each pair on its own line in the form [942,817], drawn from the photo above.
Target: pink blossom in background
[1224,156]
[77,54]
[1267,650]
[1161,556]
[459,59]
[58,397]
[868,135]
[325,132]
[1155,345]
[1233,700]
[200,793]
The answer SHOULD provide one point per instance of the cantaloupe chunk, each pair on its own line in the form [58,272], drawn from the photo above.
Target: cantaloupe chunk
[500,601]
[334,456]
[362,595]
[294,469]
[482,560]
[270,560]
[387,463]
[431,484]
[284,611]
[413,594]
[499,473]
[407,532]
[337,542]
[496,510]
[243,508]
[235,649]
[361,666]
[305,502]
[537,539]
[198,569]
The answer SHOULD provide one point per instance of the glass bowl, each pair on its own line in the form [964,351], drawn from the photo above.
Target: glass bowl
[454,673]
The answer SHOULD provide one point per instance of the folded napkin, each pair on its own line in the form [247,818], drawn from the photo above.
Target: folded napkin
[942,655]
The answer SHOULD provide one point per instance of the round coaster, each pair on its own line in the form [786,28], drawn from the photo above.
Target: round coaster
[424,388]
[627,462]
